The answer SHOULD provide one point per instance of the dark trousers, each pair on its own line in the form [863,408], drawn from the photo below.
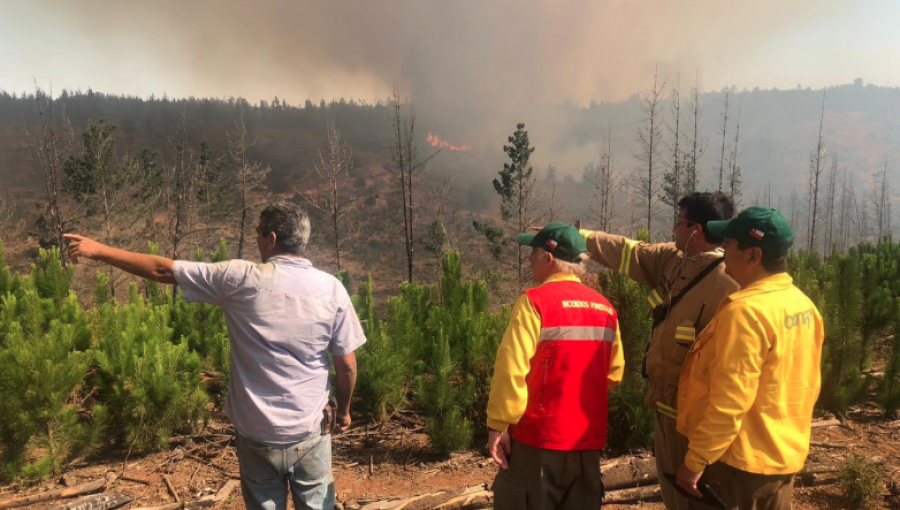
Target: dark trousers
[539,479]
[748,491]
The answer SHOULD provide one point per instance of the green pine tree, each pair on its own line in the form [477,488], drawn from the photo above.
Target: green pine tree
[44,337]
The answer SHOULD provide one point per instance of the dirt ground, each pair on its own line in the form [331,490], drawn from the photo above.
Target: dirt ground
[379,462]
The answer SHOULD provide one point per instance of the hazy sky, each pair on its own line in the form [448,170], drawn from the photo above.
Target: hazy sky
[460,52]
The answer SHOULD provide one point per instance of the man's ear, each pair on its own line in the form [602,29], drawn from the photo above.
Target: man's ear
[755,255]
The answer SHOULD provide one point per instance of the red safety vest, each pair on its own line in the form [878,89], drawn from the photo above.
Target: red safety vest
[567,383]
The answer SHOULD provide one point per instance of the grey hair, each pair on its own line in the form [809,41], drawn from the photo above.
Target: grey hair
[290,223]
[576,268]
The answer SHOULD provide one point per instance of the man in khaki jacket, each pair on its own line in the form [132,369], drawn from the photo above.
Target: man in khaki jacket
[688,282]
[752,378]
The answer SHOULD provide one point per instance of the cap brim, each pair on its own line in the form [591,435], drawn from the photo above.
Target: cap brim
[718,228]
[525,239]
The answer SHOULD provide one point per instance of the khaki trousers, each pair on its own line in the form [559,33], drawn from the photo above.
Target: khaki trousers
[748,491]
[539,479]
[670,447]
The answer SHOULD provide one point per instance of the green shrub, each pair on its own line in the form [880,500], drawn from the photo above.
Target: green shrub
[384,369]
[441,341]
[153,386]
[863,482]
[43,360]
[889,391]
[444,396]
[842,349]
[631,423]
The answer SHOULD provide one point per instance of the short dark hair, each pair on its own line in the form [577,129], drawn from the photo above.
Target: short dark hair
[772,261]
[703,206]
[289,222]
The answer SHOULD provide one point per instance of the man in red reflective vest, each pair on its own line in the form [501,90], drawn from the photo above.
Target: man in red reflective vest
[558,358]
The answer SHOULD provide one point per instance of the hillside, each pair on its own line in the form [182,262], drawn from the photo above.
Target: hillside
[778,130]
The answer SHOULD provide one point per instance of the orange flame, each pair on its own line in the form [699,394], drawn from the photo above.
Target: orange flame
[437,142]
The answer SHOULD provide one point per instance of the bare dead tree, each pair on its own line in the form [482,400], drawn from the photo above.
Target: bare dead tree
[100,181]
[406,163]
[794,200]
[11,224]
[333,168]
[50,145]
[861,205]
[829,217]
[445,228]
[698,145]
[816,168]
[845,216]
[179,193]
[214,203]
[734,177]
[881,200]
[250,178]
[649,138]
[187,186]
[724,133]
[601,179]
[554,209]
[673,180]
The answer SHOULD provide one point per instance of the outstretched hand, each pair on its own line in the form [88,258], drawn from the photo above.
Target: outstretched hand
[80,246]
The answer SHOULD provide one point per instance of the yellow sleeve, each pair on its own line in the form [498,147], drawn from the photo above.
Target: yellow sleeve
[509,393]
[616,363]
[639,261]
[740,349]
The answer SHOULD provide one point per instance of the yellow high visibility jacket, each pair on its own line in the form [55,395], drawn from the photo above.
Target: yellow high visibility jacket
[751,379]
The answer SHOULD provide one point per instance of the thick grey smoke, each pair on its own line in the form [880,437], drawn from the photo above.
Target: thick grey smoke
[472,68]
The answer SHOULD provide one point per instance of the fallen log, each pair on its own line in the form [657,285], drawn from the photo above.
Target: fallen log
[807,476]
[139,477]
[826,423]
[632,495]
[216,499]
[98,502]
[211,438]
[466,498]
[70,492]
[821,444]
[168,506]
[171,488]
[632,483]
[204,502]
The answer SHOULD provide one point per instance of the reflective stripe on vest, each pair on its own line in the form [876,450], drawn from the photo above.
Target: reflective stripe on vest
[579,333]
[665,410]
[625,263]
[684,335]
[654,300]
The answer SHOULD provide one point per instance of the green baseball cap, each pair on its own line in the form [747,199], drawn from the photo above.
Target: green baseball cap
[756,226]
[560,239]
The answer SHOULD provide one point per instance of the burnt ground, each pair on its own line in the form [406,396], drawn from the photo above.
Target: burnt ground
[384,461]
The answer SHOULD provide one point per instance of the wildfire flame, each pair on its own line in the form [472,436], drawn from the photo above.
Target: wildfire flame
[437,142]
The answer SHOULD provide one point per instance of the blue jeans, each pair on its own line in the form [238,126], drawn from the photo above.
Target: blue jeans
[267,470]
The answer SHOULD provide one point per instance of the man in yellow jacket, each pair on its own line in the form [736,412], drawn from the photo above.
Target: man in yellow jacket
[752,377]
[688,282]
